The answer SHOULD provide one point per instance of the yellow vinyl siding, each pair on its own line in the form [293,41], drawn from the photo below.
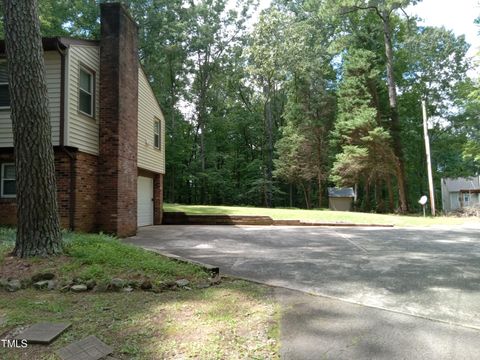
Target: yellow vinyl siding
[149,158]
[82,130]
[53,76]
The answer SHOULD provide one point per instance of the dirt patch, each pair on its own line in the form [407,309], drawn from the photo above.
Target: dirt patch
[16,268]
[470,211]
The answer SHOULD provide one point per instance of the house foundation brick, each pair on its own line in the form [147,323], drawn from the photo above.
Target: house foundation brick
[158,199]
[76,179]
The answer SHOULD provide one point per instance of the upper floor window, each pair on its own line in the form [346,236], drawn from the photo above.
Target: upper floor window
[8,184]
[4,95]
[156,134]
[86,94]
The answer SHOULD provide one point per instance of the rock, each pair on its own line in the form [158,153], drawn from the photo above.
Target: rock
[182,282]
[41,284]
[52,285]
[203,285]
[14,285]
[127,289]
[3,283]
[168,284]
[64,285]
[26,283]
[101,287]
[79,288]
[133,284]
[215,280]
[116,284]
[91,284]
[45,284]
[42,277]
[146,285]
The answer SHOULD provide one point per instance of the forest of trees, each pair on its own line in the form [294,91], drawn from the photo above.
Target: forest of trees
[315,93]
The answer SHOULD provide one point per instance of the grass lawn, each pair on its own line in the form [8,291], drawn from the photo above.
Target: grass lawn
[322,215]
[96,256]
[232,320]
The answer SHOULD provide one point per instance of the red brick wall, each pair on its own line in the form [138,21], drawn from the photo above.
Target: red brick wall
[8,207]
[85,175]
[117,167]
[86,192]
[158,199]
[64,182]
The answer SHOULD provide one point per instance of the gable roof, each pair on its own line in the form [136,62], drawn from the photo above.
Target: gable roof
[458,184]
[340,192]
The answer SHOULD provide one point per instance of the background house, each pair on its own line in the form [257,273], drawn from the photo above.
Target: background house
[460,192]
[340,199]
[107,131]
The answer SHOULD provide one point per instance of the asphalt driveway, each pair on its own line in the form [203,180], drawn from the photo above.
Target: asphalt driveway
[431,273]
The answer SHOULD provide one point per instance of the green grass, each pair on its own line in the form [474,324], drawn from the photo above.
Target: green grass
[322,215]
[235,320]
[102,257]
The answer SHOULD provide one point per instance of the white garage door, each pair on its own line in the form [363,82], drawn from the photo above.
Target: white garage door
[144,201]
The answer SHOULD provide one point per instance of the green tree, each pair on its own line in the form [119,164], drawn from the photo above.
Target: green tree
[367,154]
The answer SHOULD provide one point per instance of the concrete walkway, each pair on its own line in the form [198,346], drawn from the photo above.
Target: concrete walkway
[431,273]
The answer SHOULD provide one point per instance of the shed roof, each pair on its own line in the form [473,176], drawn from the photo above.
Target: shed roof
[458,184]
[340,192]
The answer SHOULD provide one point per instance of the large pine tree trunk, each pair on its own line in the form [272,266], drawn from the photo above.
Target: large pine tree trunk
[395,120]
[38,229]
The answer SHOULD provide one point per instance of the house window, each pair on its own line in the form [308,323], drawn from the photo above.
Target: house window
[4,95]
[86,93]
[156,134]
[8,183]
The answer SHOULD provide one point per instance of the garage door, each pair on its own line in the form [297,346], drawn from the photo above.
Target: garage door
[144,201]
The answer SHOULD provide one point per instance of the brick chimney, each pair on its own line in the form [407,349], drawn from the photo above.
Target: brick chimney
[117,169]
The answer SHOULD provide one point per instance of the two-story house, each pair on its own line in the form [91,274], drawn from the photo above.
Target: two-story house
[107,131]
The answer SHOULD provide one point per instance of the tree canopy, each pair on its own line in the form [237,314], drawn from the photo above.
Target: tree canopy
[313,94]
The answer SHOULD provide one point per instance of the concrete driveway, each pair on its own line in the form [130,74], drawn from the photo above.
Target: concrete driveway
[431,273]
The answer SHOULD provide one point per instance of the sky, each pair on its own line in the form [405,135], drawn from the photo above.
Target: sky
[456,15]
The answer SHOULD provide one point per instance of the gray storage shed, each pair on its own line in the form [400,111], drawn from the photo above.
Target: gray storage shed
[340,199]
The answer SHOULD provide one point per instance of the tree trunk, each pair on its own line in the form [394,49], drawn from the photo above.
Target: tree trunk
[395,120]
[366,199]
[290,191]
[269,131]
[319,191]
[391,204]
[171,194]
[305,194]
[38,228]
